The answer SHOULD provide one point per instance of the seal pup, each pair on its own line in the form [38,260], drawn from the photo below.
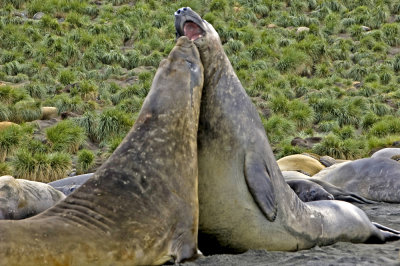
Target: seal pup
[20,198]
[307,190]
[140,207]
[376,178]
[244,202]
[303,182]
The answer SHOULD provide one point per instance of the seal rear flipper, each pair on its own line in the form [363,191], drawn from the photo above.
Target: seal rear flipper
[260,186]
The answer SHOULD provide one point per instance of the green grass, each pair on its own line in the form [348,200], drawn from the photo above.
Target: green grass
[98,62]
[10,138]
[65,136]
[85,161]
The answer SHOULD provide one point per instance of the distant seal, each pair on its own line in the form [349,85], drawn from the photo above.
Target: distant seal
[244,202]
[20,198]
[296,180]
[300,162]
[69,184]
[376,179]
[140,207]
[390,153]
[307,190]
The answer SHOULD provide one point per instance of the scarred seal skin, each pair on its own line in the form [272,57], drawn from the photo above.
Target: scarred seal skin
[140,207]
[244,202]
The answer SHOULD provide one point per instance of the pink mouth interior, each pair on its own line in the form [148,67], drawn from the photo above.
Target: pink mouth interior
[192,31]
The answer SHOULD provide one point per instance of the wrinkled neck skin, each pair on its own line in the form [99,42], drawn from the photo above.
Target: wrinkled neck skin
[140,207]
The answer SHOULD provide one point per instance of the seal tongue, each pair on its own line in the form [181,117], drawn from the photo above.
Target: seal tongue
[192,31]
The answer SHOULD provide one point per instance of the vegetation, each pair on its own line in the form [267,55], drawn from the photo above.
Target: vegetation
[95,61]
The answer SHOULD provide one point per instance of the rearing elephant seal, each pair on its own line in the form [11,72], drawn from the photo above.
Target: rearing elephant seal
[244,202]
[140,207]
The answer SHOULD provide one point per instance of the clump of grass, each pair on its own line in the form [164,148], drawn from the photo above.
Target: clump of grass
[10,95]
[5,169]
[65,136]
[113,122]
[66,77]
[85,161]
[10,138]
[388,125]
[4,113]
[25,111]
[89,121]
[278,128]
[41,167]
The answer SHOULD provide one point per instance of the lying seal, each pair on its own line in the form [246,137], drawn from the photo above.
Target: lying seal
[140,207]
[297,181]
[300,162]
[20,198]
[307,190]
[69,184]
[376,179]
[244,202]
[387,153]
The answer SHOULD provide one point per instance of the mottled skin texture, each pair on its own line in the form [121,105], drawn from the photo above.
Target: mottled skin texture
[20,198]
[244,202]
[376,179]
[140,207]
[300,162]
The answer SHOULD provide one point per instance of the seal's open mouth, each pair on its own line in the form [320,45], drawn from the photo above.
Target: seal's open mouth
[192,30]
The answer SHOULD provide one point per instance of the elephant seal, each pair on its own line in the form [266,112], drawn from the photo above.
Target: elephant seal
[244,202]
[140,207]
[20,198]
[300,162]
[69,184]
[390,153]
[336,192]
[376,179]
[307,190]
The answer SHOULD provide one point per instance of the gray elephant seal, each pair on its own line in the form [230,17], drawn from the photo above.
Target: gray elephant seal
[307,190]
[69,184]
[387,153]
[140,207]
[376,179]
[244,202]
[20,198]
[336,192]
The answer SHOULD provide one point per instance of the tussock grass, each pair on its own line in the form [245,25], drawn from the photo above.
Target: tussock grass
[85,161]
[10,139]
[65,136]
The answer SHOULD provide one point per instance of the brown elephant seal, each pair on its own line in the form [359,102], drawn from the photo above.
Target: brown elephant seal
[141,206]
[376,179]
[300,162]
[244,202]
[20,198]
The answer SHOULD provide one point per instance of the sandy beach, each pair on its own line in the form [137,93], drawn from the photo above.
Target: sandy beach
[341,253]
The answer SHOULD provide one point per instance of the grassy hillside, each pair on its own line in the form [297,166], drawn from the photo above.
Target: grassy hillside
[313,68]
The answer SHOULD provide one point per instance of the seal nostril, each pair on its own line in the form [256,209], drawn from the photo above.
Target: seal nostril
[178,12]
[185,8]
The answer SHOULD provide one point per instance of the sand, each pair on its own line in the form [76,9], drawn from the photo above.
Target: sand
[341,253]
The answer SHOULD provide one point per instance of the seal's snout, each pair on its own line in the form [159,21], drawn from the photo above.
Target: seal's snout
[182,11]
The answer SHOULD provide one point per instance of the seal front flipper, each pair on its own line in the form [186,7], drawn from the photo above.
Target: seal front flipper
[260,185]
